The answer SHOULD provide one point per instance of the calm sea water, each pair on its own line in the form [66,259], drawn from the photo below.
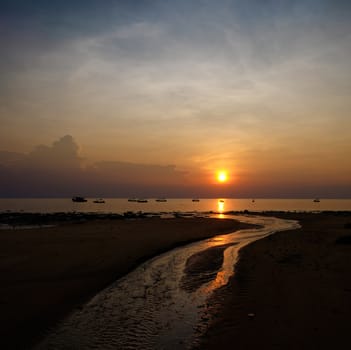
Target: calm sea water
[121,205]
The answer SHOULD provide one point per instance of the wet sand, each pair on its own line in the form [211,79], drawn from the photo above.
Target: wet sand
[46,273]
[291,290]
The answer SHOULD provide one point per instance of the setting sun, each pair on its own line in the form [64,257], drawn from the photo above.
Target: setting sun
[222,176]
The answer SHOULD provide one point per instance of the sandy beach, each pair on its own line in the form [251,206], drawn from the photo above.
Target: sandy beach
[47,272]
[291,290]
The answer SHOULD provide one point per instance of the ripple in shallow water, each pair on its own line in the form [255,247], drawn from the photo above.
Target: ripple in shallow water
[202,267]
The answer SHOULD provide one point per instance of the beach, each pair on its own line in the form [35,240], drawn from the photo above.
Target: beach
[291,290]
[48,272]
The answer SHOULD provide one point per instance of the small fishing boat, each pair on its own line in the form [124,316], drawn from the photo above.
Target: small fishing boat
[196,200]
[100,200]
[142,200]
[316,200]
[161,200]
[132,199]
[221,201]
[79,199]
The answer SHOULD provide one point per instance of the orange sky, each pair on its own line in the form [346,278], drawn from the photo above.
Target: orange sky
[164,94]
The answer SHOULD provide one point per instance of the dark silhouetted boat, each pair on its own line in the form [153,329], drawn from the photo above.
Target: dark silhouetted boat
[132,199]
[316,200]
[79,199]
[196,200]
[100,200]
[142,200]
[161,200]
[221,201]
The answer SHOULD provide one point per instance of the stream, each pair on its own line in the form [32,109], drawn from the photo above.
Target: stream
[162,303]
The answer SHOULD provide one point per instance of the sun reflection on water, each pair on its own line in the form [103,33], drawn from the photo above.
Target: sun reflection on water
[229,255]
[220,206]
[220,280]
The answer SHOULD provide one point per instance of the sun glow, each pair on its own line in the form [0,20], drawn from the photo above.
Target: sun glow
[220,206]
[222,176]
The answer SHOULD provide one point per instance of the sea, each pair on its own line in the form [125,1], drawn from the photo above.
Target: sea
[122,205]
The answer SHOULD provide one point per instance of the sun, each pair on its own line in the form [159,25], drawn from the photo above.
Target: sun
[222,176]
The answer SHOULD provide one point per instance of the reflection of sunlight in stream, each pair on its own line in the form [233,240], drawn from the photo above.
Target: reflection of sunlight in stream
[230,258]
[236,241]
[219,281]
[148,309]
[227,269]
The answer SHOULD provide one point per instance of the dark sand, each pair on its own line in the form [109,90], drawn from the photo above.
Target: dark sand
[46,273]
[291,290]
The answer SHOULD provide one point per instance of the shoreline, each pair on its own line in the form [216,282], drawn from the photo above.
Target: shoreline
[290,290]
[46,273]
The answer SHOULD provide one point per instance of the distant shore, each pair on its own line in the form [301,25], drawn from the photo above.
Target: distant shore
[47,272]
[291,290]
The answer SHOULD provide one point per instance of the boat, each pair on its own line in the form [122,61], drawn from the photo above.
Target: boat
[161,200]
[196,200]
[316,200]
[79,199]
[142,200]
[132,200]
[221,201]
[100,200]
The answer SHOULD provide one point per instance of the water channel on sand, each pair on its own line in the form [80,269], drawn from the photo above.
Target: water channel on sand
[162,303]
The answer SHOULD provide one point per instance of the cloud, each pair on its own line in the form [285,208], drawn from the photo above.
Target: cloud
[57,170]
[63,153]
[142,174]
[8,158]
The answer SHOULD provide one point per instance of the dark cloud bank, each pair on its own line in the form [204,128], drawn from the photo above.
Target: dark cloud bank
[58,171]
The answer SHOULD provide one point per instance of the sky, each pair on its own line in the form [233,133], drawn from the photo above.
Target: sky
[154,97]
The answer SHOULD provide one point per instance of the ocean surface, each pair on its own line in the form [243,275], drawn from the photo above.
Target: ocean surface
[121,205]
